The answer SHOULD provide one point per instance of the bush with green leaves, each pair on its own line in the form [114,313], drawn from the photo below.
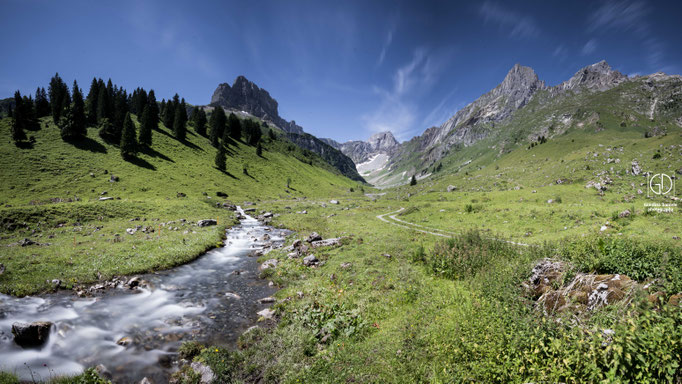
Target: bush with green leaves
[638,260]
[331,321]
[464,255]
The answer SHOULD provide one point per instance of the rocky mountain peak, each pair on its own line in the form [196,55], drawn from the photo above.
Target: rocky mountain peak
[520,78]
[598,76]
[245,95]
[519,85]
[383,141]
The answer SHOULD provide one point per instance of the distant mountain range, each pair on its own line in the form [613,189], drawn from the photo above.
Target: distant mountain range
[520,110]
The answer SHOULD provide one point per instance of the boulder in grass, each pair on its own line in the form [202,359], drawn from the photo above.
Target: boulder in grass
[31,334]
[310,261]
[207,222]
[314,237]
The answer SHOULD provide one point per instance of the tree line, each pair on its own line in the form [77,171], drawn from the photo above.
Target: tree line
[110,108]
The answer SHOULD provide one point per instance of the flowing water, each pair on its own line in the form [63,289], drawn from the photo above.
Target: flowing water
[212,299]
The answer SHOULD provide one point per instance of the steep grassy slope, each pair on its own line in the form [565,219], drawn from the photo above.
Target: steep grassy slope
[50,195]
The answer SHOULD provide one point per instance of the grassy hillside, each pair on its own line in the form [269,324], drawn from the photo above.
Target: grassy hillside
[50,195]
[638,108]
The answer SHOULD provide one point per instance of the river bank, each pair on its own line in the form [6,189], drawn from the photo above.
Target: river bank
[135,333]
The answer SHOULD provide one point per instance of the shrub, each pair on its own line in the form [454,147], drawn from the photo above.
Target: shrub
[331,321]
[188,350]
[464,255]
[637,259]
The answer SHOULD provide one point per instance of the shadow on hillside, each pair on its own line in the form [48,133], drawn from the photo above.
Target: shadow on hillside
[185,142]
[141,163]
[88,144]
[230,141]
[24,144]
[151,152]
[226,173]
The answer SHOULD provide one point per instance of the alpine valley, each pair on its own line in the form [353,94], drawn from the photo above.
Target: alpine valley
[532,237]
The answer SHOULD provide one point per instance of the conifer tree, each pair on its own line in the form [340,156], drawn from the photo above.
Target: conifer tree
[153,109]
[42,105]
[169,115]
[120,112]
[9,111]
[139,101]
[183,106]
[78,107]
[73,123]
[110,101]
[217,125]
[200,121]
[180,122]
[145,128]
[102,103]
[413,180]
[193,115]
[59,97]
[220,158]
[18,121]
[162,109]
[92,102]
[259,150]
[234,126]
[128,144]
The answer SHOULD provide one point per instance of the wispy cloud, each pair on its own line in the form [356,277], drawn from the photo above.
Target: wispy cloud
[630,16]
[397,111]
[518,25]
[384,48]
[560,52]
[443,111]
[589,47]
[622,15]
[170,38]
[388,40]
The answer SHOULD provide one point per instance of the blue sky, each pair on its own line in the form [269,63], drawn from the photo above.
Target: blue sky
[341,69]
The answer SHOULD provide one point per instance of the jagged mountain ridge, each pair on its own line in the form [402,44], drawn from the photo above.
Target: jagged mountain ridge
[361,151]
[491,113]
[246,96]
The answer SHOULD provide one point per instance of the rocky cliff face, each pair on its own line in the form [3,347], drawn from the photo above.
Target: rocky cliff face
[246,96]
[483,117]
[599,76]
[362,151]
[330,154]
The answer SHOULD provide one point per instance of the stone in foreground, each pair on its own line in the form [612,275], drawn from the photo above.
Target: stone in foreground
[267,313]
[207,222]
[31,334]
